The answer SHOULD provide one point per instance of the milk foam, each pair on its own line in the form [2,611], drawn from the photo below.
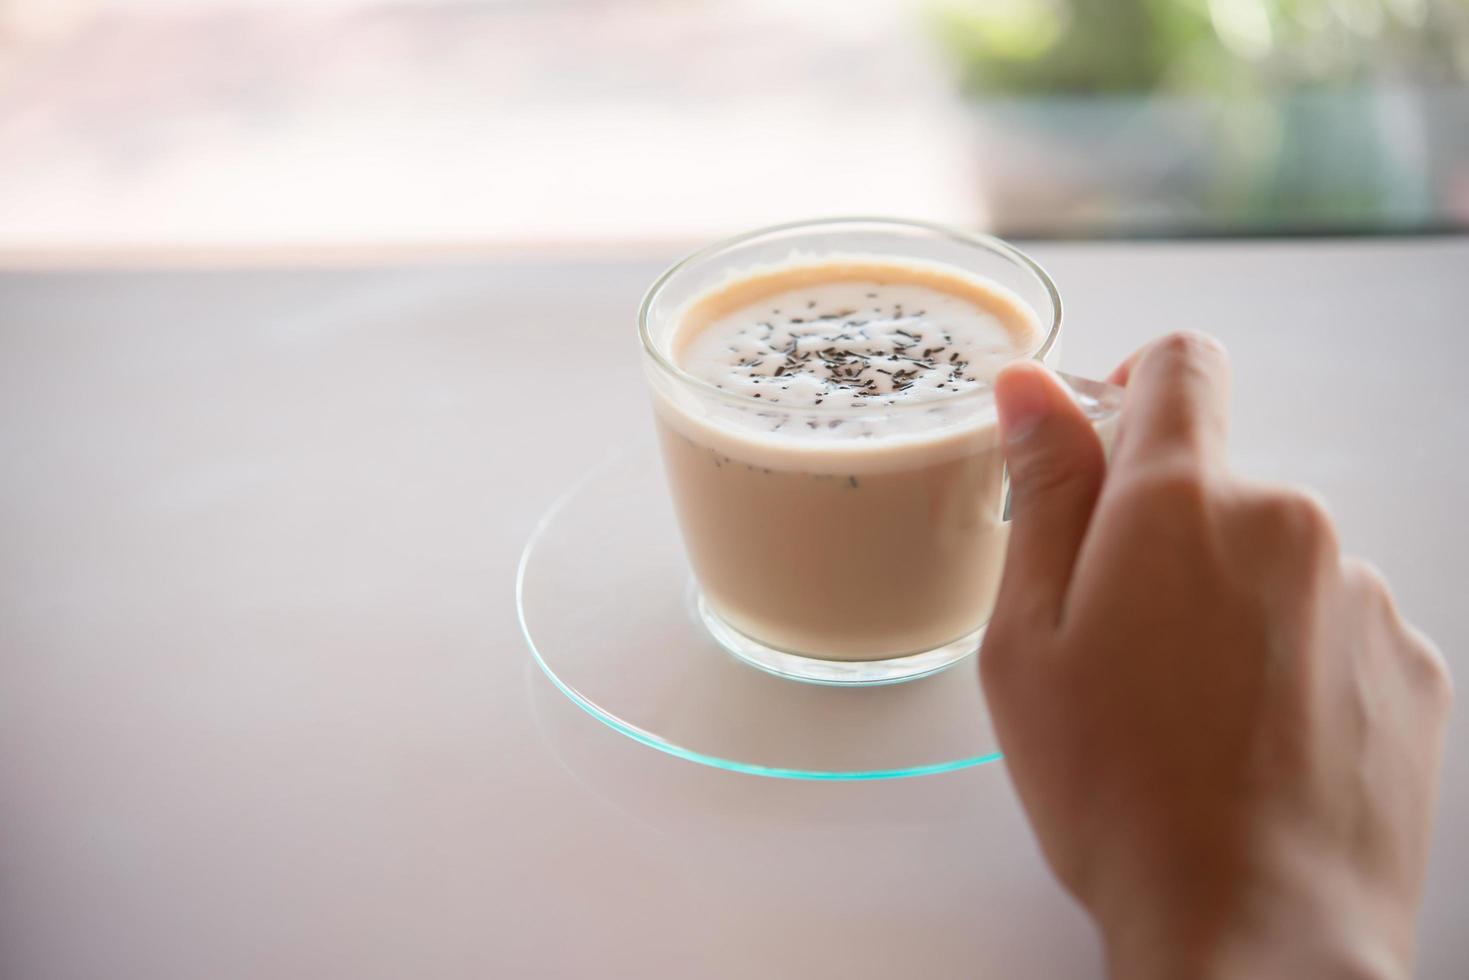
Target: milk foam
[846,363]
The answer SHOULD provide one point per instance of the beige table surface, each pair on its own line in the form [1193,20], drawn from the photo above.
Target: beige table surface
[265,711]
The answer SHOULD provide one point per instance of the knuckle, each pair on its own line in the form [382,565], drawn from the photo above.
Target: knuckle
[1368,583]
[1300,518]
[1431,669]
[1438,679]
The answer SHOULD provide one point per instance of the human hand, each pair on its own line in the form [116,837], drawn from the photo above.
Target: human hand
[1225,736]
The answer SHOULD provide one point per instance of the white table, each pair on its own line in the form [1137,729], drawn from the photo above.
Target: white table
[265,712]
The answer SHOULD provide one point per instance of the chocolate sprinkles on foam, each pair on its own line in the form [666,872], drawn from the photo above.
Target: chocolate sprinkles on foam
[887,364]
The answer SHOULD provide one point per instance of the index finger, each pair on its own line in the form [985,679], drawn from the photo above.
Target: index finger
[1177,401]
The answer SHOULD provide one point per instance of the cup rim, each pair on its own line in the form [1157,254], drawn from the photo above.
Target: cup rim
[980,240]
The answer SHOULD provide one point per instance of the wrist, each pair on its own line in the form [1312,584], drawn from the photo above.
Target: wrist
[1319,926]
[1253,957]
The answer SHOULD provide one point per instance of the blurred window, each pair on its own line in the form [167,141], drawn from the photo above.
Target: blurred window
[196,123]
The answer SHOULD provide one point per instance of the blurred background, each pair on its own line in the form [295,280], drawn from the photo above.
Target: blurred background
[206,124]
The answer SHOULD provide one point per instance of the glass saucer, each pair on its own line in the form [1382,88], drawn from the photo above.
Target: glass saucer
[609,609]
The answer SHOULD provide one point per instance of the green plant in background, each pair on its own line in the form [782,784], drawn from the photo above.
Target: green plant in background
[1220,115]
[1091,46]
[1054,46]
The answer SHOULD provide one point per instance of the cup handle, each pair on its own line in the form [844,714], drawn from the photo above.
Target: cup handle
[1099,401]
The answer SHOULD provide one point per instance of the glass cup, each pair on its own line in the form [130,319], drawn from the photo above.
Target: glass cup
[841,544]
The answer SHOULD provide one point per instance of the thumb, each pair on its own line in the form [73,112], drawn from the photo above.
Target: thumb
[1056,467]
